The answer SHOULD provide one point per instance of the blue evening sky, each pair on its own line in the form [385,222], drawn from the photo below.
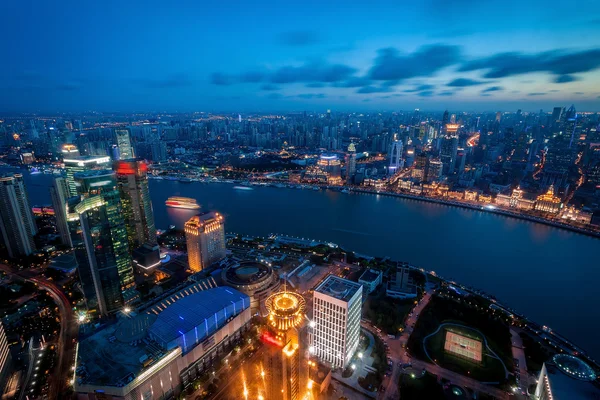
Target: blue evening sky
[260,55]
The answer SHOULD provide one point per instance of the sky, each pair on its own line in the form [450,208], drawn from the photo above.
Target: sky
[259,55]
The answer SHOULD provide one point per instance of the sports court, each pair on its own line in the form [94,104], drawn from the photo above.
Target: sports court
[463,346]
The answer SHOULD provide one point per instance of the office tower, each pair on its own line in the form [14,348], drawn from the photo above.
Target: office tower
[498,116]
[16,220]
[132,179]
[331,165]
[59,192]
[205,237]
[556,115]
[448,152]
[434,169]
[105,238]
[445,118]
[123,139]
[350,163]
[77,164]
[336,318]
[395,157]
[283,358]
[158,151]
[4,356]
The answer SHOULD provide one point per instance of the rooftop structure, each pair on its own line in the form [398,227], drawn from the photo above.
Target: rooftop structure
[254,278]
[567,377]
[339,288]
[286,310]
[370,279]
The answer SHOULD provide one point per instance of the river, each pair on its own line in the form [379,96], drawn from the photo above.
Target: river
[548,274]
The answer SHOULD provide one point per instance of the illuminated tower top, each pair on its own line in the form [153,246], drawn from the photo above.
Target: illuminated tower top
[286,310]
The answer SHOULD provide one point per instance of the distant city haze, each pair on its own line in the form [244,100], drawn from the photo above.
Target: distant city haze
[549,275]
[299,55]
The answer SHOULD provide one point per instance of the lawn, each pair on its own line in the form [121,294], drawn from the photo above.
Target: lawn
[442,309]
[489,370]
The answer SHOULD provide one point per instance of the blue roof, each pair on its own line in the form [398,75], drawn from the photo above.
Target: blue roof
[198,309]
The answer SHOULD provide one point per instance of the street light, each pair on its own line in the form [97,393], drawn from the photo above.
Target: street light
[360,355]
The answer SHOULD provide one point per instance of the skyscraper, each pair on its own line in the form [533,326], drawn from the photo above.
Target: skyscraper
[395,157]
[132,179]
[448,151]
[59,192]
[205,237]
[350,163]
[4,355]
[105,237]
[337,306]
[123,138]
[77,164]
[16,220]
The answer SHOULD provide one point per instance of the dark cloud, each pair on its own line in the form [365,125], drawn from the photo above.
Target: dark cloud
[447,93]
[252,77]
[565,79]
[274,96]
[391,65]
[354,82]
[537,94]
[464,82]
[492,89]
[556,62]
[68,87]
[299,38]
[269,87]
[221,79]
[311,96]
[374,89]
[484,94]
[553,91]
[171,82]
[425,93]
[314,72]
[579,93]
[315,85]
[420,88]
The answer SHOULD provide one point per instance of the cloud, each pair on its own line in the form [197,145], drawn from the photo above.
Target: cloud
[251,77]
[446,34]
[425,93]
[269,87]
[537,94]
[556,62]
[374,89]
[553,91]
[447,93]
[221,79]
[315,85]
[314,72]
[579,93]
[565,79]
[464,82]
[274,96]
[299,38]
[492,89]
[68,87]
[311,96]
[354,82]
[391,65]
[171,82]
[420,88]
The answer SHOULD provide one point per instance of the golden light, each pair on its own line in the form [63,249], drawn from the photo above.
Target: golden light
[286,310]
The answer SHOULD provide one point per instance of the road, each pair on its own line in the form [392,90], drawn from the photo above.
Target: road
[68,329]
[518,352]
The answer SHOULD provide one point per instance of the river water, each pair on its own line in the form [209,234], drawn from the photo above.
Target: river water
[548,274]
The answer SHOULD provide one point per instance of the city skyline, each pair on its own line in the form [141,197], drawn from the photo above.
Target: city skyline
[432,55]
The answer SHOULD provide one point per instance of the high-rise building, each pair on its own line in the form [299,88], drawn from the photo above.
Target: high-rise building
[132,179]
[448,151]
[395,157]
[350,162]
[205,237]
[4,356]
[331,165]
[77,164]
[337,306]
[105,238]
[123,138]
[283,357]
[59,192]
[16,220]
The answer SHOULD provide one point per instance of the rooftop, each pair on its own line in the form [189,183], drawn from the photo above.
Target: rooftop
[339,288]
[565,387]
[369,275]
[247,272]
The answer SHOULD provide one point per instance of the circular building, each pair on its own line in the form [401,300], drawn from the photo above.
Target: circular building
[574,367]
[253,278]
[286,310]
[332,166]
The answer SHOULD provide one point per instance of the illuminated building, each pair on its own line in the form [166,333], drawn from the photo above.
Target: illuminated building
[283,360]
[331,165]
[515,200]
[123,138]
[69,150]
[370,279]
[434,170]
[59,192]
[105,237]
[575,215]
[395,157]
[401,285]
[17,227]
[27,158]
[132,179]
[351,162]
[448,152]
[256,279]
[337,306]
[4,355]
[205,237]
[159,350]
[77,164]
[548,202]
